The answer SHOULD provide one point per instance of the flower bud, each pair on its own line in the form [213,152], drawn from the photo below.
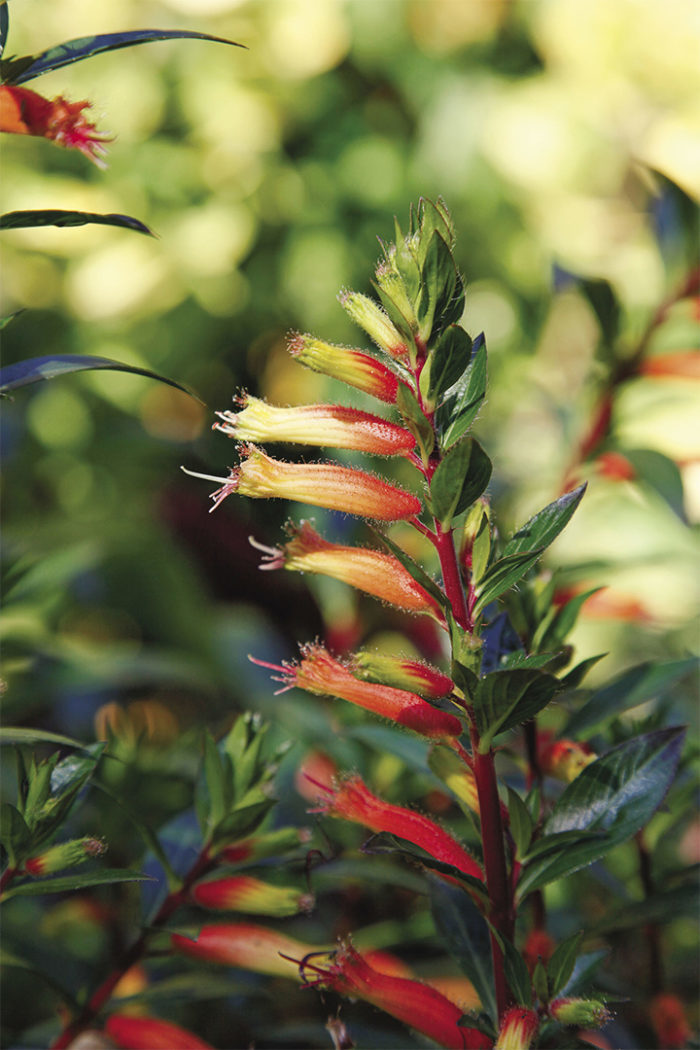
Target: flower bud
[330,426]
[667,1015]
[318,484]
[374,572]
[247,894]
[369,315]
[267,844]
[353,367]
[564,759]
[64,855]
[150,1033]
[320,673]
[353,801]
[518,1029]
[245,945]
[402,673]
[588,1013]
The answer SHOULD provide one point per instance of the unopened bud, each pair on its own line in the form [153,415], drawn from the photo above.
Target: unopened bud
[244,893]
[588,1013]
[369,315]
[518,1029]
[353,367]
[64,855]
[565,759]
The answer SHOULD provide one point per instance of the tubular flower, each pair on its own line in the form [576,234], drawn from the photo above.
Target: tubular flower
[353,801]
[247,894]
[667,1015]
[64,855]
[24,112]
[518,1029]
[369,315]
[350,366]
[415,1004]
[564,759]
[247,946]
[330,426]
[320,673]
[404,674]
[374,572]
[588,1013]
[319,484]
[150,1033]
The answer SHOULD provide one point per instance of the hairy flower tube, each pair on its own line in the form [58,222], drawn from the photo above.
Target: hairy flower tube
[319,484]
[245,893]
[369,315]
[353,367]
[398,671]
[245,945]
[584,1013]
[330,426]
[415,1004]
[150,1033]
[24,112]
[518,1029]
[353,801]
[374,572]
[320,673]
[64,855]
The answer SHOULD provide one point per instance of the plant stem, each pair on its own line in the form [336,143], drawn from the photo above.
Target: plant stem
[444,544]
[7,877]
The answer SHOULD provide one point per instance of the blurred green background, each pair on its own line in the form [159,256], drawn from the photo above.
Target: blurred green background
[564,136]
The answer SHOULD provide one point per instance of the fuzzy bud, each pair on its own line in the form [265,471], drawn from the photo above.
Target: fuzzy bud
[587,1013]
[64,855]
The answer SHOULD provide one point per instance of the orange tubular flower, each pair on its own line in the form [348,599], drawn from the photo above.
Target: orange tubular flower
[319,484]
[681,364]
[349,366]
[374,572]
[247,894]
[564,759]
[353,801]
[518,1029]
[415,1004]
[24,112]
[247,946]
[404,674]
[320,673]
[150,1033]
[668,1020]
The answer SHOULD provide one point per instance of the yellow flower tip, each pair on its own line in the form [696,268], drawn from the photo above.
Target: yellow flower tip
[370,316]
[518,1029]
[354,367]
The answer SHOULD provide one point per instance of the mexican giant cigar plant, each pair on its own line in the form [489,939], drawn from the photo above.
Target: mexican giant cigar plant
[487,895]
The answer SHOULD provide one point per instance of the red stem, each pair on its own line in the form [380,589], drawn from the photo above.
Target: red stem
[7,877]
[444,544]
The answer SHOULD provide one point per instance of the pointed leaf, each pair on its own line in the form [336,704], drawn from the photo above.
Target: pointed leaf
[4,321]
[450,359]
[466,936]
[545,526]
[517,973]
[577,673]
[660,473]
[634,686]
[501,575]
[438,281]
[15,836]
[414,418]
[67,883]
[463,401]
[17,220]
[461,477]
[34,369]
[20,735]
[507,698]
[385,842]
[521,825]
[4,25]
[556,856]
[605,306]
[84,47]
[561,964]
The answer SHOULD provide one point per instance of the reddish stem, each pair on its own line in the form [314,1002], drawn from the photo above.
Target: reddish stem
[444,544]
[7,877]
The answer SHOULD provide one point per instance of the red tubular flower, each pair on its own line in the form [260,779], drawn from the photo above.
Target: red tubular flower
[319,484]
[150,1033]
[353,800]
[24,112]
[330,426]
[667,1015]
[415,1004]
[247,894]
[539,945]
[374,572]
[563,759]
[350,366]
[404,674]
[320,673]
[518,1029]
[245,945]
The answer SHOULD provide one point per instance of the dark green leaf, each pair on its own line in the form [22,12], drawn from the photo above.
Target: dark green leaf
[545,526]
[15,836]
[661,474]
[501,575]
[34,369]
[147,834]
[507,698]
[661,908]
[521,826]
[517,973]
[463,401]
[561,964]
[217,776]
[539,982]
[552,634]
[414,569]
[461,477]
[384,842]
[84,47]
[620,791]
[466,936]
[66,883]
[20,735]
[634,686]
[450,359]
[4,25]
[17,220]
[434,217]
[576,675]
[4,321]
[550,862]
[581,978]
[414,418]
[605,306]
[243,820]
[438,281]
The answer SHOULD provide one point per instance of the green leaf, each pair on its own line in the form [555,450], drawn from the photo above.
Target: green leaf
[676,902]
[438,282]
[20,735]
[521,825]
[18,72]
[561,964]
[501,575]
[539,982]
[634,686]
[545,526]
[576,675]
[605,306]
[147,834]
[585,968]
[15,836]
[447,362]
[661,474]
[555,856]
[33,369]
[4,25]
[507,698]
[4,321]
[414,569]
[67,883]
[16,220]
[217,777]
[461,477]
[242,821]
[414,418]
[517,973]
[621,790]
[434,217]
[466,936]
[552,633]
[463,401]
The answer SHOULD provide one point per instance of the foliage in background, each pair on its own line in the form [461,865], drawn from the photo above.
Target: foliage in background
[266,179]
